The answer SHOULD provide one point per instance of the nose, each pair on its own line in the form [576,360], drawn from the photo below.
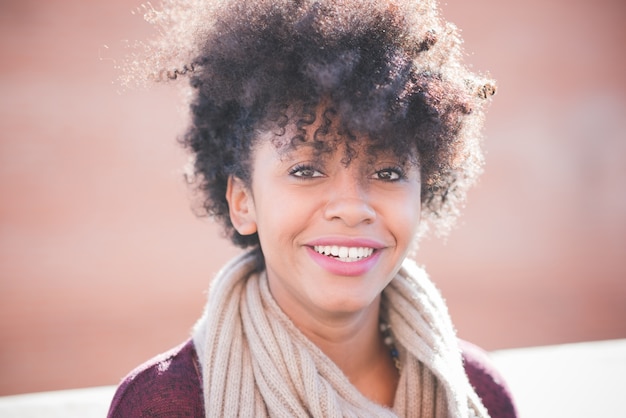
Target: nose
[349,202]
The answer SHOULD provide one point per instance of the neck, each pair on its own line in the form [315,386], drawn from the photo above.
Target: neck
[350,340]
[355,344]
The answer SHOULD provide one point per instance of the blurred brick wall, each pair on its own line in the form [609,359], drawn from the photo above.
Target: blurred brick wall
[102,263]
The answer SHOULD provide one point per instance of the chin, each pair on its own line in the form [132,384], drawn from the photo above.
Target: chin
[346,304]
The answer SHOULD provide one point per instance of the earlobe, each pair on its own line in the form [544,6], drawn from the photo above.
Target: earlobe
[241,206]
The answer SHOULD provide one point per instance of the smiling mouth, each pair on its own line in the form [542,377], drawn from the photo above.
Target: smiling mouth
[345,254]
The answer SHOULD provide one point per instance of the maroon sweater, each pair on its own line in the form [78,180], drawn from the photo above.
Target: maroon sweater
[170,385]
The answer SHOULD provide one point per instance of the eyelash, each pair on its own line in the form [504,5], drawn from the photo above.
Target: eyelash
[298,169]
[398,171]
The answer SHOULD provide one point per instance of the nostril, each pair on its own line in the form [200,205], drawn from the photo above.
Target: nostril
[351,211]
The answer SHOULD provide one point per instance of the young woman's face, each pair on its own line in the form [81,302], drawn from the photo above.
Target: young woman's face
[333,234]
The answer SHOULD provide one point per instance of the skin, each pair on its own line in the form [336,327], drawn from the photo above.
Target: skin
[298,200]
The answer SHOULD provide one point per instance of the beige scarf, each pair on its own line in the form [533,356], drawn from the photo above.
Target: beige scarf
[256,363]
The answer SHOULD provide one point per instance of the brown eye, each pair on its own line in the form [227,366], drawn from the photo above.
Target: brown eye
[305,172]
[388,174]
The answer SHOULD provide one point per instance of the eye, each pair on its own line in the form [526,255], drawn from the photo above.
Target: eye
[305,171]
[389,174]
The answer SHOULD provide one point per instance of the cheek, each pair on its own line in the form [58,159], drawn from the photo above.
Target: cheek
[280,217]
[403,214]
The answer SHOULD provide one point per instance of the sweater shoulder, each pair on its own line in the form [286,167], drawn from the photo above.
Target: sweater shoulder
[168,385]
[487,382]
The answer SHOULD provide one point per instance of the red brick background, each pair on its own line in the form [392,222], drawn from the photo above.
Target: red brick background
[102,263]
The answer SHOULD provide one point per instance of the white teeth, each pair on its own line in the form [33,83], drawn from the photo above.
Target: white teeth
[346,254]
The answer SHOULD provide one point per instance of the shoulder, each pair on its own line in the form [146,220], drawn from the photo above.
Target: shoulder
[487,381]
[168,385]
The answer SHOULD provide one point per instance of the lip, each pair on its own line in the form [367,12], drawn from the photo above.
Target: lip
[342,268]
[347,242]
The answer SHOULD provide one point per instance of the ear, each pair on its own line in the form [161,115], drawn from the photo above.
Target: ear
[241,206]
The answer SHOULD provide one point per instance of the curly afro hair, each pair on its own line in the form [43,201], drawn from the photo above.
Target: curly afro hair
[390,69]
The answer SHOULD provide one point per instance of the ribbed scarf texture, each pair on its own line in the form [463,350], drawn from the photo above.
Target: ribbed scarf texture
[256,363]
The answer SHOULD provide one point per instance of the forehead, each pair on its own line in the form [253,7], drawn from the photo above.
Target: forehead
[350,150]
[319,133]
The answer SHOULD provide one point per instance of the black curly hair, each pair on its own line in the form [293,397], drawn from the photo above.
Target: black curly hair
[390,70]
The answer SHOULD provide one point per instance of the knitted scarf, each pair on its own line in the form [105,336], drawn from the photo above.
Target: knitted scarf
[256,363]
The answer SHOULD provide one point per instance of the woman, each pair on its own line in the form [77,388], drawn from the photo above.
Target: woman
[326,136]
